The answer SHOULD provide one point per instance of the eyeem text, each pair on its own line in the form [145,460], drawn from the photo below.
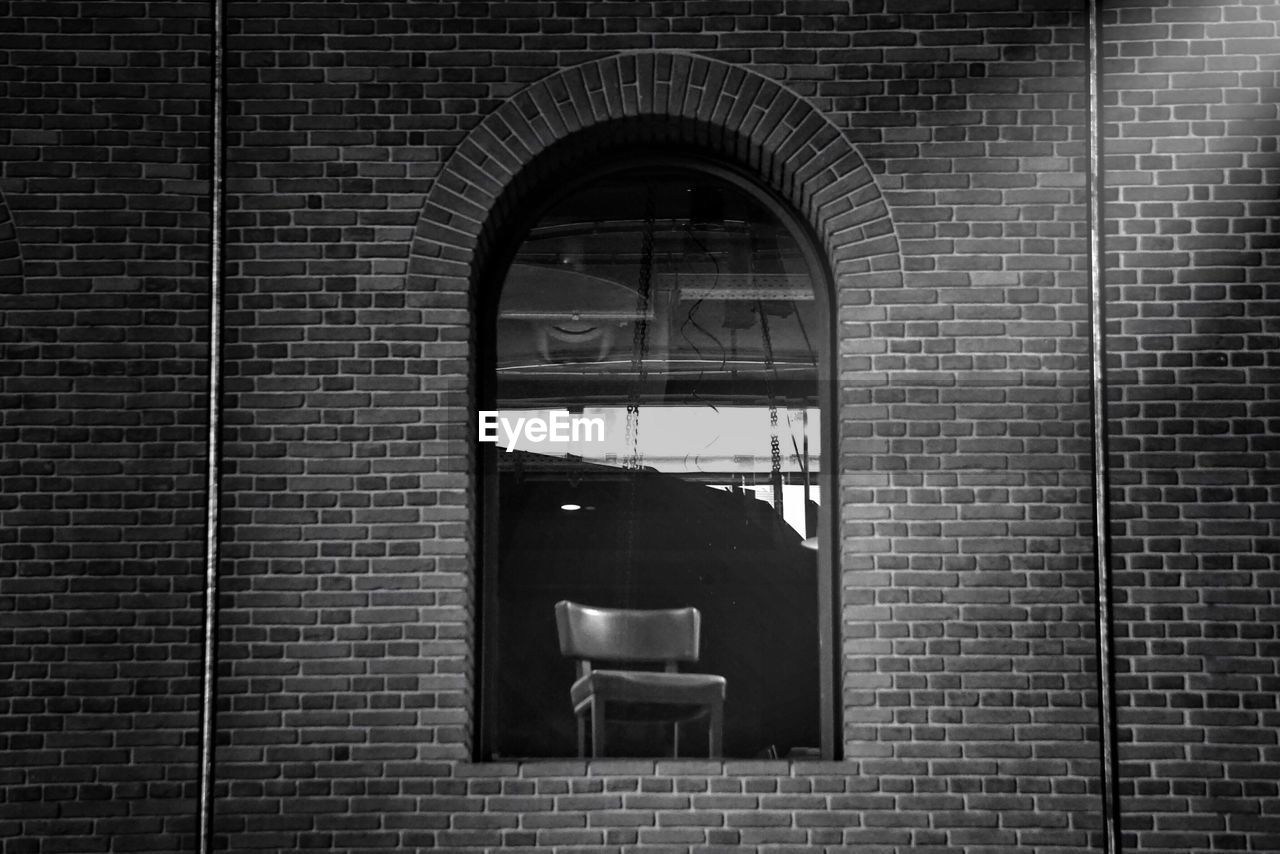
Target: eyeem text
[558,426]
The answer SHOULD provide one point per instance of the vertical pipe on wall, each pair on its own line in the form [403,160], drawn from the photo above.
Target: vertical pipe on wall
[204,829]
[1098,376]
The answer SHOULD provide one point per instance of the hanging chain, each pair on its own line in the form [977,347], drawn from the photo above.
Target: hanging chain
[775,450]
[640,342]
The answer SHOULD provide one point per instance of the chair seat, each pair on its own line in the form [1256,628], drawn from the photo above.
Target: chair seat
[629,636]
[697,690]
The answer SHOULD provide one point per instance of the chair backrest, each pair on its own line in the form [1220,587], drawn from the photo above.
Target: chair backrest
[628,635]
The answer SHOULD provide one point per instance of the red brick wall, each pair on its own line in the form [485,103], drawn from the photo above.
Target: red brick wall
[102,380]
[1193,180]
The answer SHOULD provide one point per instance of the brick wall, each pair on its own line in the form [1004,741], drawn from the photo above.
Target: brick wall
[347,683]
[366,159]
[1193,208]
[102,376]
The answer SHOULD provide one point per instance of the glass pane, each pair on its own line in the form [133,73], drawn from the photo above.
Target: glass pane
[662,328]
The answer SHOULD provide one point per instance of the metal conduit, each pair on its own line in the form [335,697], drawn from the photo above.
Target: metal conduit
[208,675]
[1101,480]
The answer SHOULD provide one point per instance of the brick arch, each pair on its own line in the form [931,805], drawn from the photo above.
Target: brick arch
[730,111]
[705,106]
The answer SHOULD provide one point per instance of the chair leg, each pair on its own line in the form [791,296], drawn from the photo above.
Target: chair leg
[715,731]
[597,728]
[582,735]
[675,740]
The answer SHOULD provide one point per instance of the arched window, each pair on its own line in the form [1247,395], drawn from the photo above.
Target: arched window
[662,329]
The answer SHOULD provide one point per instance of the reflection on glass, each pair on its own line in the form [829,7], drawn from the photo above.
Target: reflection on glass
[719,446]
[680,312]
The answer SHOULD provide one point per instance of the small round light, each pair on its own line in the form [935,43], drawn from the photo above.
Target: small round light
[570,506]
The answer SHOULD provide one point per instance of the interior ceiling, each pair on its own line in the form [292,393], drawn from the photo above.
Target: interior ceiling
[731,300]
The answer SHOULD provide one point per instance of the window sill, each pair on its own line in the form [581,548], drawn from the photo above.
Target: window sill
[655,767]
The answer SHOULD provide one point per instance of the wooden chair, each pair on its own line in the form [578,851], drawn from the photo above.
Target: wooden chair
[627,636]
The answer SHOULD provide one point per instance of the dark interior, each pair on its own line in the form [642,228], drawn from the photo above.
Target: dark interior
[645,539]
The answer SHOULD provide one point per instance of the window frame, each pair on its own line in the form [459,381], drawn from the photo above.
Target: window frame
[512,227]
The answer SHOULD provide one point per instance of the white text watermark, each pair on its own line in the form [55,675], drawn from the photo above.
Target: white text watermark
[559,426]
